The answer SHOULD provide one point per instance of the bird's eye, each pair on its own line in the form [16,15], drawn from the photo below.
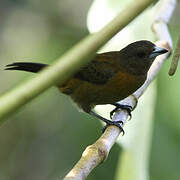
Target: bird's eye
[141,54]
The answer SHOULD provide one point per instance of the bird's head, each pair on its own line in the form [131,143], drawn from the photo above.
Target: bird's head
[138,56]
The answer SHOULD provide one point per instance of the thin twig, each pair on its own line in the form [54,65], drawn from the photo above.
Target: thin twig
[175,58]
[98,152]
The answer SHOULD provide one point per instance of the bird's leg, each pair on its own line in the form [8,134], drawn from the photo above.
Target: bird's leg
[108,122]
[122,106]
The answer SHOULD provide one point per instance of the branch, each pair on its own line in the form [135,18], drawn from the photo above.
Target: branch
[175,58]
[162,20]
[69,63]
[96,153]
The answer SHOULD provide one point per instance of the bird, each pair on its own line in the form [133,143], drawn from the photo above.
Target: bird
[107,79]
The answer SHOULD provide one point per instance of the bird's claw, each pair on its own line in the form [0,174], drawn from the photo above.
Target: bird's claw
[115,123]
[122,106]
[108,122]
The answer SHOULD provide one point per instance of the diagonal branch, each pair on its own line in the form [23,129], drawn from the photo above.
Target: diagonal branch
[96,153]
[69,63]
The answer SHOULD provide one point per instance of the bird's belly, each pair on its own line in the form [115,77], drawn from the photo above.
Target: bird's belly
[87,95]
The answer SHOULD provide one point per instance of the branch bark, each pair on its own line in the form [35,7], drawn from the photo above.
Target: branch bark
[175,58]
[96,153]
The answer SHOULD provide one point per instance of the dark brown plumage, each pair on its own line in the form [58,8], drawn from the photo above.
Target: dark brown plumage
[108,78]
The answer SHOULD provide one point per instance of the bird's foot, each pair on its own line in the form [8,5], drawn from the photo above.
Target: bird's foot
[114,123]
[108,122]
[121,106]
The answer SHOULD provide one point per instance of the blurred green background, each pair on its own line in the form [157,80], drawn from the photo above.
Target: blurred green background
[45,138]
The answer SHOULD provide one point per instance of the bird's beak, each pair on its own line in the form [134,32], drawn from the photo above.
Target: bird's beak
[158,51]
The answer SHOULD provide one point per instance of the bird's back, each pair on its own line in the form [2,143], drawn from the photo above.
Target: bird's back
[101,82]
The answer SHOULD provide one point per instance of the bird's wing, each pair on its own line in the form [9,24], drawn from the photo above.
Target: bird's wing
[98,71]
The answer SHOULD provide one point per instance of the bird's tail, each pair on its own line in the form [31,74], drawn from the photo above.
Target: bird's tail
[26,66]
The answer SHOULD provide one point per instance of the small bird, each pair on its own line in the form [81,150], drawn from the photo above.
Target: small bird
[107,79]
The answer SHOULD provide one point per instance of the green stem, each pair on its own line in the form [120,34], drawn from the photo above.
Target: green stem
[69,63]
[175,59]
